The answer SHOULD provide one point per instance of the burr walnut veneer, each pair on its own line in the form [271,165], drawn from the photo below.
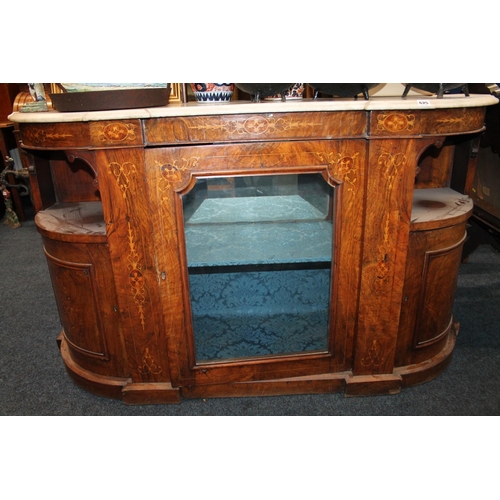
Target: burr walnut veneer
[253,248]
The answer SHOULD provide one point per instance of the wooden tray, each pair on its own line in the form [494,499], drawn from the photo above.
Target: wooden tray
[110,99]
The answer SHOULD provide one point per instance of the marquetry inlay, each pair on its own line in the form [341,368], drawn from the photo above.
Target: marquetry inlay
[136,278]
[396,122]
[39,136]
[148,364]
[118,132]
[342,166]
[372,358]
[172,172]
[466,119]
[122,173]
[253,125]
[390,165]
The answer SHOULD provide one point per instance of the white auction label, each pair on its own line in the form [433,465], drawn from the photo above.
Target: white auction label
[424,102]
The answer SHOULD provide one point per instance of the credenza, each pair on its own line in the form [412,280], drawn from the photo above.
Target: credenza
[253,248]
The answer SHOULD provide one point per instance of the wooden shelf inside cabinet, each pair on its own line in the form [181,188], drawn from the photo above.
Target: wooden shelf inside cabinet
[80,222]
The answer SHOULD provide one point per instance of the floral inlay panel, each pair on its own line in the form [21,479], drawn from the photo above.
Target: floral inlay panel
[148,364]
[118,132]
[253,125]
[123,173]
[136,277]
[342,166]
[396,122]
[390,165]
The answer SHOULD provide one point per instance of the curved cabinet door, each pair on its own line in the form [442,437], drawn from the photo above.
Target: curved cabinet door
[86,299]
[431,279]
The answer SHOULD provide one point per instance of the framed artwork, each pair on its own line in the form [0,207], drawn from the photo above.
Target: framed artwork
[177,91]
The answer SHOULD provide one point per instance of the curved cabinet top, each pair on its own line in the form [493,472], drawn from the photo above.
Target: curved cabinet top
[243,107]
[194,123]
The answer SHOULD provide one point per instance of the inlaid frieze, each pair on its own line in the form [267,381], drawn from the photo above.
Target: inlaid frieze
[116,133]
[465,119]
[39,136]
[55,136]
[250,127]
[253,125]
[395,122]
[425,121]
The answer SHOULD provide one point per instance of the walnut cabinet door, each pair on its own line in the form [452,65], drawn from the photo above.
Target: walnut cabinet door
[258,249]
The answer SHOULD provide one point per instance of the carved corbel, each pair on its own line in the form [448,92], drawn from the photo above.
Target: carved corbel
[86,156]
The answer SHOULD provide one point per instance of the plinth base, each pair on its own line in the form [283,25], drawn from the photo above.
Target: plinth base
[352,385]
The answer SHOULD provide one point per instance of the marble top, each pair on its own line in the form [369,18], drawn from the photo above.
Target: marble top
[247,107]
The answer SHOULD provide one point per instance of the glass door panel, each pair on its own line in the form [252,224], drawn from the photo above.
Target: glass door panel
[259,253]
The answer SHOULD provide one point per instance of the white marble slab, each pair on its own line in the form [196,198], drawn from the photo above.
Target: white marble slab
[247,107]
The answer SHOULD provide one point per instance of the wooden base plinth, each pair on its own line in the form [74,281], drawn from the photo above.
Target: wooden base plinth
[314,384]
[150,394]
[372,385]
[427,370]
[352,385]
[109,387]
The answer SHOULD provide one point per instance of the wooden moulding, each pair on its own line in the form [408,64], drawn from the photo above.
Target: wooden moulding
[314,384]
[362,385]
[150,393]
[429,369]
[404,376]
[110,387]
[115,387]
[372,385]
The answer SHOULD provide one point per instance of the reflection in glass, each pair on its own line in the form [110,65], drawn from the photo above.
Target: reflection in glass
[259,251]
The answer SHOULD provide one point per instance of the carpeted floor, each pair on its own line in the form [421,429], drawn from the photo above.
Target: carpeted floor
[33,380]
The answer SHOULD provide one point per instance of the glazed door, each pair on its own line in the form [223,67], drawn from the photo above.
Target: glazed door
[252,265]
[259,259]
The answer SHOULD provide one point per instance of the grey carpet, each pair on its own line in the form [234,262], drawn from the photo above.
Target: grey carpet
[33,380]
